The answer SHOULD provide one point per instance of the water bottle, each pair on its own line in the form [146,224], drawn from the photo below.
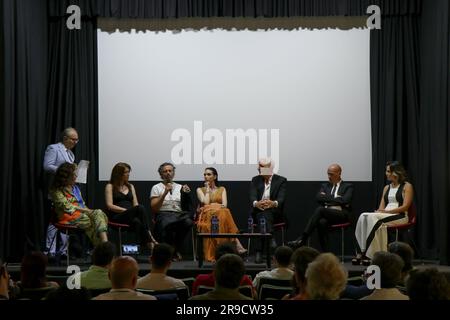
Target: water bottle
[262,225]
[250,224]
[214,225]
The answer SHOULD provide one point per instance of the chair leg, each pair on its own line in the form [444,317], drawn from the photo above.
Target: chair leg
[282,236]
[396,235]
[194,247]
[342,244]
[68,246]
[120,240]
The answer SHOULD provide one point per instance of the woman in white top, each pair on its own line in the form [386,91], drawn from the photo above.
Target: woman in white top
[371,232]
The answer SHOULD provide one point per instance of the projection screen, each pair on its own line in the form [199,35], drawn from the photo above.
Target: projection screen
[225,98]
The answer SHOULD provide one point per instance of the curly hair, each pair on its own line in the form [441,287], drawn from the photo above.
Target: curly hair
[325,278]
[64,175]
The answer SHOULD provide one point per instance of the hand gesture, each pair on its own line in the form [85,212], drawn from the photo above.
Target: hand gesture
[169,188]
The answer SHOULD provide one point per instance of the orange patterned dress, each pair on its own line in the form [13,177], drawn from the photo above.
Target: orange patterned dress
[226,222]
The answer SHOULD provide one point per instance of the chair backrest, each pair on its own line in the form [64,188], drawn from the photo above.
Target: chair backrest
[182,293]
[246,290]
[277,283]
[412,212]
[189,282]
[271,292]
[204,289]
[60,279]
[36,293]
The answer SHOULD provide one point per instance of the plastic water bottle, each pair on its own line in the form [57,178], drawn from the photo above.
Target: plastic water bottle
[214,225]
[262,225]
[250,224]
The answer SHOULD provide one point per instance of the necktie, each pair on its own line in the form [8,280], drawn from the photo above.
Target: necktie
[70,156]
[333,190]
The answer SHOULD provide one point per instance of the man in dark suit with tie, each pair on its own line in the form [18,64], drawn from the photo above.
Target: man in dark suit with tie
[334,199]
[267,194]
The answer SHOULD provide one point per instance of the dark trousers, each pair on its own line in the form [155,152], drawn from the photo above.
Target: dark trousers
[137,218]
[322,219]
[173,227]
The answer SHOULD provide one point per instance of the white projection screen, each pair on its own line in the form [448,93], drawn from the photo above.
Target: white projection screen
[225,98]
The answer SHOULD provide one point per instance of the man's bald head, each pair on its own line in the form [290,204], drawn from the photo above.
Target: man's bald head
[123,273]
[334,173]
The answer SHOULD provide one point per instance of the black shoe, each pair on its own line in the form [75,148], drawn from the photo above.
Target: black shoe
[258,258]
[296,244]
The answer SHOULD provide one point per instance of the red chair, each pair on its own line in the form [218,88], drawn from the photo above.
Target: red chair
[282,227]
[66,228]
[405,226]
[341,226]
[118,226]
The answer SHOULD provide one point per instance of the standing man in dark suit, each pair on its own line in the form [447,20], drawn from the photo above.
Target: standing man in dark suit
[267,194]
[334,200]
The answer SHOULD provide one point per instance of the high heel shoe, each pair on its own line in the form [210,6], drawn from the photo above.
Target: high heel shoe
[366,261]
[356,261]
[240,249]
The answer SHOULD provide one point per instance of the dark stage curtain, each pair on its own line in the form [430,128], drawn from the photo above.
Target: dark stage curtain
[23,105]
[72,91]
[434,153]
[394,66]
[161,9]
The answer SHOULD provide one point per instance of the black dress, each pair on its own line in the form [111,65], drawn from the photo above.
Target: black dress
[135,216]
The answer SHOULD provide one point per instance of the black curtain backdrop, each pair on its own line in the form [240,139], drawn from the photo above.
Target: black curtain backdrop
[433,172]
[72,91]
[409,88]
[24,26]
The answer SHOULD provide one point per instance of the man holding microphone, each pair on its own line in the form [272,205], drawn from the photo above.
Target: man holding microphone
[171,202]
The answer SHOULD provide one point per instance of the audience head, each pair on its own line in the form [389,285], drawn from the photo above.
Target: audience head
[33,270]
[283,256]
[65,176]
[123,273]
[427,284]
[166,171]
[69,138]
[229,270]
[396,171]
[224,248]
[120,174]
[301,258]
[103,254]
[65,294]
[334,172]
[326,278]
[162,256]
[210,175]
[404,251]
[391,266]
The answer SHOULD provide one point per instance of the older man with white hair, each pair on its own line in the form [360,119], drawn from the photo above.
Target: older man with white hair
[267,193]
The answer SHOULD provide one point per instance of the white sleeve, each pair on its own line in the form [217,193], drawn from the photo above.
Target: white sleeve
[155,192]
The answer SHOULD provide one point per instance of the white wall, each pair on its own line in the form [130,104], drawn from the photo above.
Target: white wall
[302,96]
